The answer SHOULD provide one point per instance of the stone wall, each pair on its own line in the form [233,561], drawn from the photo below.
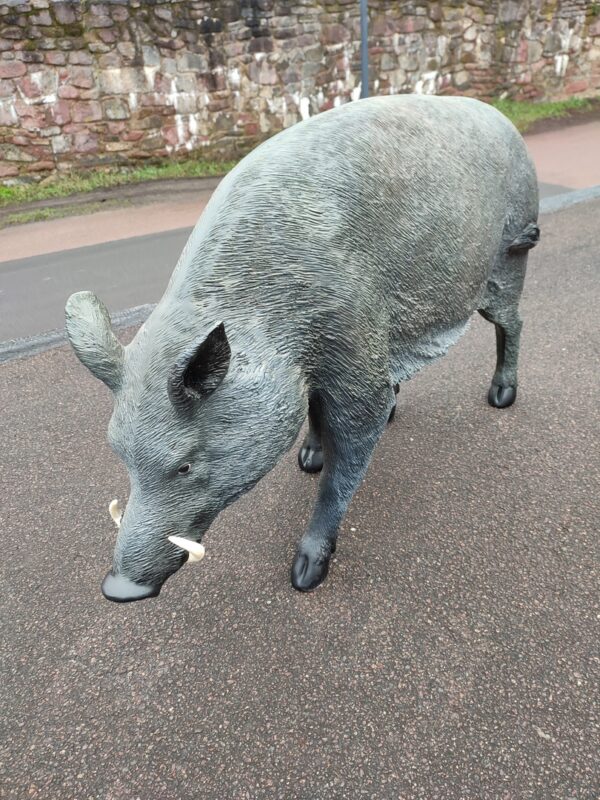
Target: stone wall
[84,83]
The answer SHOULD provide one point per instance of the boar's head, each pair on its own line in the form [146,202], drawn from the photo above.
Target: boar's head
[186,430]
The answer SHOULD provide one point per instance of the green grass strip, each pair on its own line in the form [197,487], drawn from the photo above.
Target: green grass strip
[523,114]
[74,182]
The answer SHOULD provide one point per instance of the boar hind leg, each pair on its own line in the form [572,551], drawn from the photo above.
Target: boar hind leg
[503,391]
[310,455]
[349,432]
[393,411]
[502,309]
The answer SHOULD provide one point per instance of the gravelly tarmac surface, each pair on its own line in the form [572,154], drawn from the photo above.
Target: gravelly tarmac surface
[453,652]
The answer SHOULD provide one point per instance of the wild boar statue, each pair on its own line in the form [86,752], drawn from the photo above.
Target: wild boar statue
[330,265]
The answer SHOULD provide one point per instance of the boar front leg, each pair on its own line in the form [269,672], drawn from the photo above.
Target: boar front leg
[350,429]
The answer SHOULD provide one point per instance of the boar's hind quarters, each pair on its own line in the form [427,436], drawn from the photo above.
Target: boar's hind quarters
[88,327]
[201,368]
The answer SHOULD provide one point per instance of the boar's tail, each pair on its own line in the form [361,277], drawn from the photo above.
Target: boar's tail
[528,238]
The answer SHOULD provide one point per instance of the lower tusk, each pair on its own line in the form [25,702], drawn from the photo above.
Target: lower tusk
[195,549]
[115,511]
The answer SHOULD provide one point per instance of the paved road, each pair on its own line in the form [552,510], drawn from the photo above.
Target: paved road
[125,273]
[452,654]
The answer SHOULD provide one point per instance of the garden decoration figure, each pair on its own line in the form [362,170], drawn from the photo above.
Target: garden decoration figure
[336,260]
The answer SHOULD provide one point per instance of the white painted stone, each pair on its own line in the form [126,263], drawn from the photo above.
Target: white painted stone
[305,108]
[561,62]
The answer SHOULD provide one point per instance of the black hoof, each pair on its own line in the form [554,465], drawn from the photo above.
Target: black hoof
[309,459]
[310,568]
[502,396]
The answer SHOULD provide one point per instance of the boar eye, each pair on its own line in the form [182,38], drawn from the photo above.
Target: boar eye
[184,469]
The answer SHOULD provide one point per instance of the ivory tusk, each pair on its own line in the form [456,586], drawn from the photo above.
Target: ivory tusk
[195,549]
[115,511]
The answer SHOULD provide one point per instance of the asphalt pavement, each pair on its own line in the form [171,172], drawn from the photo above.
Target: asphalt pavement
[451,655]
[124,273]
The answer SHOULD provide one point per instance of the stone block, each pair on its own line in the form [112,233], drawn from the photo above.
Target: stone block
[55,58]
[124,80]
[534,50]
[164,13]
[195,62]
[168,66]
[119,13]
[261,44]
[470,33]
[314,53]
[8,115]
[185,103]
[40,166]
[61,144]
[10,152]
[262,73]
[435,12]
[99,47]
[186,83]
[108,35]
[68,92]
[151,55]
[115,128]
[383,25]
[110,60]
[7,88]
[552,43]
[82,77]
[41,82]
[101,21]
[115,108]
[61,112]
[462,80]
[576,87]
[12,32]
[12,69]
[8,170]
[28,57]
[43,19]
[388,62]
[511,11]
[86,111]
[81,57]
[133,136]
[335,34]
[410,24]
[70,44]
[64,13]
[126,49]
[85,142]
[116,147]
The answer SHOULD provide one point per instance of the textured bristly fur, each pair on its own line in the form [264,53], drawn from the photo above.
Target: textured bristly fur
[341,256]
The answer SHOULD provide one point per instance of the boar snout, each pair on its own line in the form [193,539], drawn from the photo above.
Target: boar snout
[121,589]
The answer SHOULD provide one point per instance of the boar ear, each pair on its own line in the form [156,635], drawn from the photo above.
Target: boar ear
[88,328]
[198,373]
